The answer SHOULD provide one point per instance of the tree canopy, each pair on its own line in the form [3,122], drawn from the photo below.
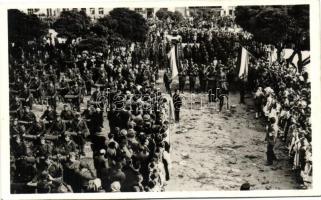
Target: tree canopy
[164,14]
[127,23]
[23,27]
[281,26]
[278,25]
[72,24]
[93,44]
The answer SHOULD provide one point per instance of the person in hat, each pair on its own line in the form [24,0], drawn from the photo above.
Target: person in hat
[177,101]
[50,115]
[168,81]
[182,72]
[67,115]
[85,174]
[70,170]
[79,126]
[100,162]
[271,139]
[67,146]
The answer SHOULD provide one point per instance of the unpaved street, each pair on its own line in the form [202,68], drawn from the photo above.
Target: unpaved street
[220,151]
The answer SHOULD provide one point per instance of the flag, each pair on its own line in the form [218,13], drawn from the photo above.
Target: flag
[244,64]
[172,61]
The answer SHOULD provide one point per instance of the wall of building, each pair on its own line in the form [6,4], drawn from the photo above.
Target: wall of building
[95,13]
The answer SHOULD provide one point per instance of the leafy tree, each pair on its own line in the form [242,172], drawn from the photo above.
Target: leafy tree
[177,16]
[23,27]
[93,44]
[127,23]
[162,14]
[281,26]
[72,24]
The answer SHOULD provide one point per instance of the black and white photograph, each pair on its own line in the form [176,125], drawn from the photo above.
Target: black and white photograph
[160,98]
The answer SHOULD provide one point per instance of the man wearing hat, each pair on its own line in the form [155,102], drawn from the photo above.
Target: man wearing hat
[177,101]
[168,81]
[67,146]
[79,126]
[100,162]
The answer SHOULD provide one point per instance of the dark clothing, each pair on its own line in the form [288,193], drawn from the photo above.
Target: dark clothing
[177,101]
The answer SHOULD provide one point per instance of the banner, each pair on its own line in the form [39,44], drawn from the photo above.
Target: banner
[172,61]
[244,64]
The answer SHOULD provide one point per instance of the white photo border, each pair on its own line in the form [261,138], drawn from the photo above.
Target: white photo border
[315,102]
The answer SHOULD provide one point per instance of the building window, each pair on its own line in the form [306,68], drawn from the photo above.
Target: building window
[164,9]
[139,10]
[30,11]
[101,11]
[92,11]
[83,10]
[230,12]
[75,9]
[49,12]
[150,12]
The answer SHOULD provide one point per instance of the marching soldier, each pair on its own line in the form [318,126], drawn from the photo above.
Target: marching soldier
[168,81]
[182,75]
[193,71]
[26,96]
[202,78]
[211,77]
[79,126]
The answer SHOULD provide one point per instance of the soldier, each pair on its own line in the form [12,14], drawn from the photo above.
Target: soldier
[79,126]
[202,77]
[75,91]
[35,88]
[182,75]
[192,76]
[177,101]
[51,95]
[67,146]
[168,81]
[49,115]
[27,99]
[211,77]
[63,88]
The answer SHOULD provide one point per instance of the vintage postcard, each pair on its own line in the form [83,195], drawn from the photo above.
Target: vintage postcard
[160,99]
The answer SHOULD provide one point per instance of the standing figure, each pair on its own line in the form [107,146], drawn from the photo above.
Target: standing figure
[177,101]
[182,76]
[168,81]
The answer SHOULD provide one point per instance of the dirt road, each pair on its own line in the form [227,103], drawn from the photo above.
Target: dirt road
[220,151]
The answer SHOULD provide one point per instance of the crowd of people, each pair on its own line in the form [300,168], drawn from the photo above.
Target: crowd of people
[49,152]
[283,99]
[77,89]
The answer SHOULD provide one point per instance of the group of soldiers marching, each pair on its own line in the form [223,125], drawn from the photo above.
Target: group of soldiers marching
[211,78]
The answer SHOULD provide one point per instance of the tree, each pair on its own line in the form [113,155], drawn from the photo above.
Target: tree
[127,23]
[281,26]
[162,14]
[23,27]
[97,44]
[177,16]
[72,24]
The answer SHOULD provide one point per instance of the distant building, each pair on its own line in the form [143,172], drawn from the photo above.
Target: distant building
[96,13]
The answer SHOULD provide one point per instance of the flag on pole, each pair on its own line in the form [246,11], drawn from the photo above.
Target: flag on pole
[172,61]
[244,64]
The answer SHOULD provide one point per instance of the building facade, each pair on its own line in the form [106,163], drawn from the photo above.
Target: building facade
[96,13]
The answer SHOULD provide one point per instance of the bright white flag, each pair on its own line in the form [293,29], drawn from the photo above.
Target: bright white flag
[172,60]
[244,66]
